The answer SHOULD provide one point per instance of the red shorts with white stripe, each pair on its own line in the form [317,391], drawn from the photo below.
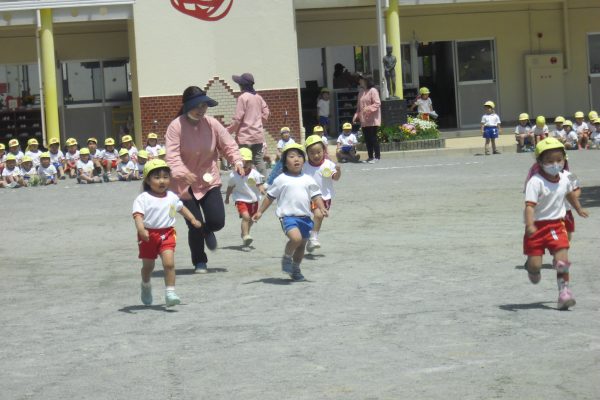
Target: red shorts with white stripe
[243,207]
[569,222]
[551,235]
[112,163]
[160,240]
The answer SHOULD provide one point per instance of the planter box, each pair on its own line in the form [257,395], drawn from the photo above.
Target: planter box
[408,145]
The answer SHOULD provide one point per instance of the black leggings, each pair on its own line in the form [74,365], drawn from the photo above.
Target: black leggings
[211,212]
[371,141]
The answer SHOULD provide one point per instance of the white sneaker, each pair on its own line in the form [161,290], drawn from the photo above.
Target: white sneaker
[247,240]
[312,245]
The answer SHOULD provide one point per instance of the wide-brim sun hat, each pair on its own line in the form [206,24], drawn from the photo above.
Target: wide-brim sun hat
[197,99]
[548,144]
[154,164]
[244,79]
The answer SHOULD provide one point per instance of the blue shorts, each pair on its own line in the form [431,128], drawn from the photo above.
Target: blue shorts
[346,149]
[304,224]
[490,132]
[56,165]
[323,121]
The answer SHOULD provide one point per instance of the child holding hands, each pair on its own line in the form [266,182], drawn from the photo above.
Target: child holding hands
[293,191]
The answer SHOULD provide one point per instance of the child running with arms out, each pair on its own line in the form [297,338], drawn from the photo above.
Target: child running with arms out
[293,191]
[154,215]
[545,211]
[246,192]
[324,172]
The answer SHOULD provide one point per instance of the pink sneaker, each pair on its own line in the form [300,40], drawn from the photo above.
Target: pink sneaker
[565,299]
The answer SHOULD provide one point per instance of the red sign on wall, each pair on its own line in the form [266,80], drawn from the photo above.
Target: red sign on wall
[206,10]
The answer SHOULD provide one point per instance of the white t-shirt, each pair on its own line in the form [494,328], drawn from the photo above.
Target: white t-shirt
[72,156]
[19,156]
[153,151]
[35,157]
[579,128]
[293,194]
[572,137]
[158,212]
[559,134]
[110,155]
[47,172]
[281,143]
[97,154]
[347,140]
[127,167]
[548,197]
[322,174]
[140,168]
[522,130]
[490,119]
[57,158]
[16,171]
[28,174]
[540,130]
[424,106]
[87,168]
[3,158]
[323,107]
[245,187]
[133,152]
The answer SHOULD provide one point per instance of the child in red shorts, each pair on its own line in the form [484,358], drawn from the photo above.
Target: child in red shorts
[545,211]
[110,157]
[246,192]
[154,215]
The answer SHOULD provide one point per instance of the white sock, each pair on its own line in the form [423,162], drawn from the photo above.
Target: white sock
[287,255]
[146,284]
[170,289]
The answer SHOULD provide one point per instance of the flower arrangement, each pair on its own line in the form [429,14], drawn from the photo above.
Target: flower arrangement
[414,129]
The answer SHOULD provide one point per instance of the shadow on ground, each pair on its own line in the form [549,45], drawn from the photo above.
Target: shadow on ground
[544,266]
[590,197]
[161,273]
[527,306]
[141,307]
[242,248]
[272,281]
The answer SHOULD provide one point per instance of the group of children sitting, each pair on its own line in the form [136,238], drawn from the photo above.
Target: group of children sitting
[580,134]
[87,164]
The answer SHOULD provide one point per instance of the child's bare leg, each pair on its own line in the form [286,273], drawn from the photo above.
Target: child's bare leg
[168,261]
[533,266]
[147,268]
[318,220]
[246,224]
[521,140]
[299,252]
[487,145]
[295,241]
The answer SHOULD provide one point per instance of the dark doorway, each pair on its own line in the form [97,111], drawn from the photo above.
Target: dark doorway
[436,72]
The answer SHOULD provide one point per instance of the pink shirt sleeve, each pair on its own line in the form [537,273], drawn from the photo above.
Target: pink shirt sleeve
[173,149]
[238,116]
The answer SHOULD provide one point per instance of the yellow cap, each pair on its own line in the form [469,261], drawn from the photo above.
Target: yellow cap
[109,141]
[122,152]
[11,157]
[312,139]
[126,138]
[83,151]
[293,146]
[318,129]
[2,146]
[154,164]
[593,115]
[152,135]
[559,120]
[284,129]
[246,154]
[13,143]
[347,126]
[54,141]
[596,121]
[579,114]
[424,90]
[142,154]
[540,120]
[547,144]
[489,103]
[162,152]
[568,122]
[26,159]
[32,141]
[71,142]
[324,90]
[92,139]
[45,155]
[523,117]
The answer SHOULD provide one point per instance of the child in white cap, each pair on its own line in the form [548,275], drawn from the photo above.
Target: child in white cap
[246,191]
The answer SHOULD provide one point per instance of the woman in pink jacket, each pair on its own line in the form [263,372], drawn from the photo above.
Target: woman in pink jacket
[193,140]
[250,113]
[368,113]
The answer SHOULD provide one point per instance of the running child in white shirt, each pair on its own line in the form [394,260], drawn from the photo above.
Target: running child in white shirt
[46,171]
[152,146]
[33,151]
[284,141]
[110,157]
[57,158]
[126,169]
[490,127]
[127,143]
[71,157]
[523,133]
[545,195]
[293,191]
[15,149]
[11,174]
[29,172]
[154,215]
[246,191]
[85,168]
[324,172]
[346,145]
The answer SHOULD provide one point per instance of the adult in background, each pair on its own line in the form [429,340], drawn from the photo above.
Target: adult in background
[192,142]
[368,114]
[250,113]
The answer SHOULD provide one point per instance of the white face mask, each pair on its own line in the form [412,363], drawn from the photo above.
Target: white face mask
[554,168]
[190,116]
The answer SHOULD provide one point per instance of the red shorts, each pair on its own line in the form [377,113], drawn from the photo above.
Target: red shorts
[327,203]
[160,240]
[550,235]
[243,207]
[69,165]
[569,222]
[113,163]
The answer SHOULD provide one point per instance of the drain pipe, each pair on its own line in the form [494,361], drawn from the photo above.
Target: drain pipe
[39,60]
[566,37]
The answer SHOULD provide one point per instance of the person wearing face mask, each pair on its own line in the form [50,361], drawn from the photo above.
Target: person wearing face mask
[193,142]
[545,210]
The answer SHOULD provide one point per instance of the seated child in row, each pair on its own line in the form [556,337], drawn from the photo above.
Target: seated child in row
[57,158]
[582,129]
[71,158]
[153,147]
[346,145]
[524,133]
[85,168]
[11,174]
[32,150]
[47,171]
[29,172]
[127,169]
[15,149]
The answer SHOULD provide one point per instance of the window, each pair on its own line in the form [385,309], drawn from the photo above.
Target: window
[475,60]
[594,52]
[407,78]
[96,81]
[116,78]
[19,80]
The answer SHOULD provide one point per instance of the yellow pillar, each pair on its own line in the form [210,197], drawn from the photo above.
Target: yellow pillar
[49,75]
[392,31]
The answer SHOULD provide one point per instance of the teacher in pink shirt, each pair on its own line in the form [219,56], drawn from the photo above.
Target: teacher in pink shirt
[247,125]
[193,141]
[368,113]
